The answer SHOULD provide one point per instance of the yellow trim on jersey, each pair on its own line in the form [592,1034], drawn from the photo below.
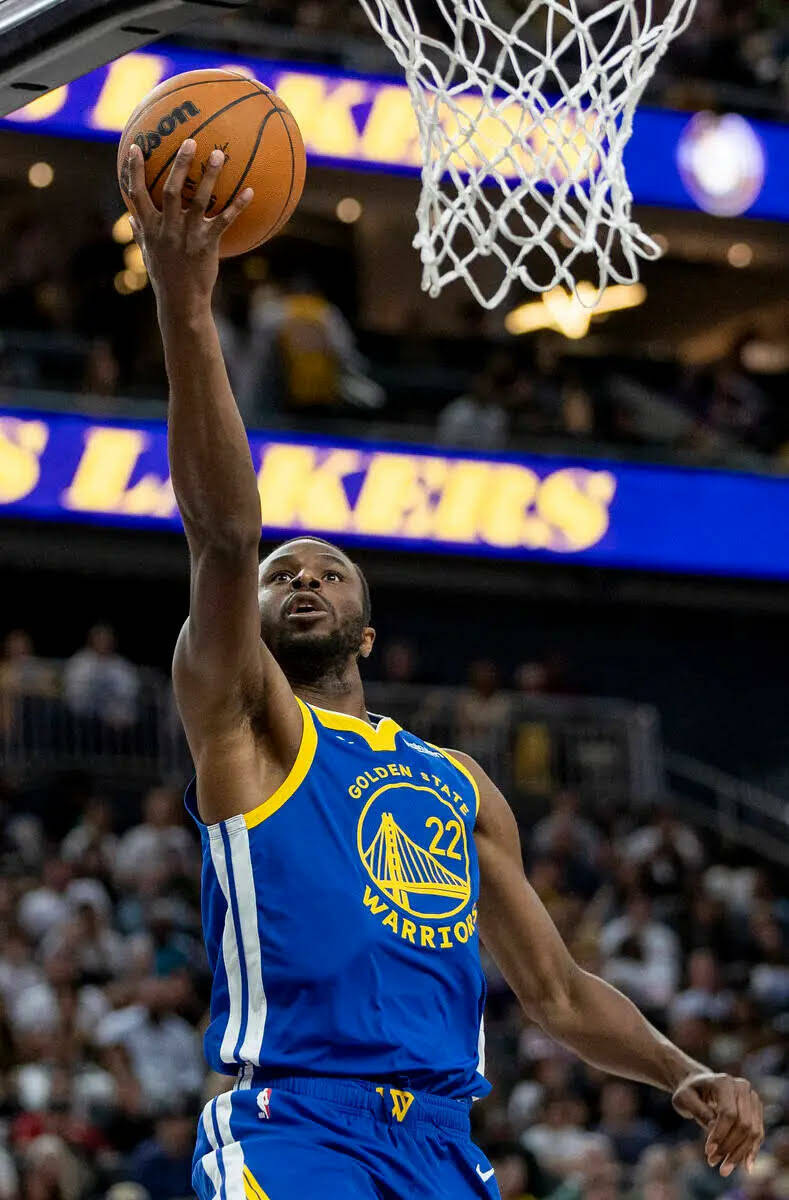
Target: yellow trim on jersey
[296,775]
[252,1189]
[380,738]
[463,770]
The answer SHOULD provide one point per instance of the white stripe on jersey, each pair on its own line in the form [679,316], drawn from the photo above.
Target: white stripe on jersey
[210,1164]
[233,1160]
[230,957]
[232,1155]
[481,1047]
[208,1124]
[223,1107]
[246,899]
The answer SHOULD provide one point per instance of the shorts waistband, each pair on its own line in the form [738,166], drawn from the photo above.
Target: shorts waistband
[400,1105]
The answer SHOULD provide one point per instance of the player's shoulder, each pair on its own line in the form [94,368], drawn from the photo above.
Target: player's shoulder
[466,762]
[493,812]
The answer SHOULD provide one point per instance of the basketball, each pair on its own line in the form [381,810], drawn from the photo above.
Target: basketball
[259,136]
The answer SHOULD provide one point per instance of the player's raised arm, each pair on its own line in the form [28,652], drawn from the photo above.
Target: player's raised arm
[221,668]
[585,1013]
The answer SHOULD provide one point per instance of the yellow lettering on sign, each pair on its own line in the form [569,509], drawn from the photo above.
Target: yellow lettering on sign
[512,490]
[323,111]
[101,481]
[398,495]
[575,501]
[390,133]
[21,445]
[43,107]
[128,80]
[456,518]
[298,488]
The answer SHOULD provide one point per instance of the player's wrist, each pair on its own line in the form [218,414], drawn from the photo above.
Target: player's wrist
[678,1068]
[179,310]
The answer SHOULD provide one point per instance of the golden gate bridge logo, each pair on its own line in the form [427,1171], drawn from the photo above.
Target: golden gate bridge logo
[423,882]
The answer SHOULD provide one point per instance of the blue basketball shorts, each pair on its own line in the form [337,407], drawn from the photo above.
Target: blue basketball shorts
[334,1139]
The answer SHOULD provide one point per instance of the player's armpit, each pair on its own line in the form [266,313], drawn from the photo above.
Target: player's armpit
[226,682]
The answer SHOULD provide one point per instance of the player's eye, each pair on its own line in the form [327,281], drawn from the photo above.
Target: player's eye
[333,576]
[281,576]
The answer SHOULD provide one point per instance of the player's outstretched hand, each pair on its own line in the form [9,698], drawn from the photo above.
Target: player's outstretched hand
[180,245]
[731,1114]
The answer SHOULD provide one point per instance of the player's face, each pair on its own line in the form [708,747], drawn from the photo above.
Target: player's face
[312,610]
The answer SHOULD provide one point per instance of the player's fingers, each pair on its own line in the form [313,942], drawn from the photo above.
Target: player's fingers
[757,1125]
[722,1126]
[172,201]
[202,197]
[135,187]
[689,1103]
[228,215]
[737,1154]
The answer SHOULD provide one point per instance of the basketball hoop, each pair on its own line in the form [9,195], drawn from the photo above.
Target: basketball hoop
[523,121]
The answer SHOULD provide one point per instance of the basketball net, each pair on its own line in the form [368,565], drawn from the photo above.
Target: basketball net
[523,121]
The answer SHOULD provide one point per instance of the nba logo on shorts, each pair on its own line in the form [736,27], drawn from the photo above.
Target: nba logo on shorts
[264,1099]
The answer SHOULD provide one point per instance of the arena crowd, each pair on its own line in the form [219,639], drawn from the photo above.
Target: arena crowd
[104,990]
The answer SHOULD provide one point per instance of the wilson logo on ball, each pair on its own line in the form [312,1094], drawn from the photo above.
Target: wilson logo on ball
[152,139]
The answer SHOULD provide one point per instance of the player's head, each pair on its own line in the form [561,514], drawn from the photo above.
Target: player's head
[314,609]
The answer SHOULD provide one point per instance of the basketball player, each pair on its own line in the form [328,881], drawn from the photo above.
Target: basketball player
[349,867]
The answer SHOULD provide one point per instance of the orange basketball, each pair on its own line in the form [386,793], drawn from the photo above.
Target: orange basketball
[257,132]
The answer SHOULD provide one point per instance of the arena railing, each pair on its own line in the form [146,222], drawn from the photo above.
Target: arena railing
[609,751]
[720,451]
[738,811]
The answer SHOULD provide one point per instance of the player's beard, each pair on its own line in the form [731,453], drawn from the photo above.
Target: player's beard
[316,658]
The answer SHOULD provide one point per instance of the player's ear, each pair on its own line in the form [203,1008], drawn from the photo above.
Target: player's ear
[366,647]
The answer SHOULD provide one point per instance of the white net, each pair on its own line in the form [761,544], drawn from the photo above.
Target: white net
[523,120]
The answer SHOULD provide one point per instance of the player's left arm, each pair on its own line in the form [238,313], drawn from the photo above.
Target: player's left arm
[585,1013]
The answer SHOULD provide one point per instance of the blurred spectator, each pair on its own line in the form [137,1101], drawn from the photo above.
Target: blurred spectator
[46,906]
[160,843]
[565,808]
[703,996]
[17,970]
[91,845]
[303,354]
[518,1174]
[98,951]
[482,713]
[628,1133]
[50,1171]
[163,1165]
[21,671]
[666,853]
[102,369]
[641,955]
[560,1139]
[666,835]
[399,662]
[479,417]
[39,1009]
[99,683]
[152,1033]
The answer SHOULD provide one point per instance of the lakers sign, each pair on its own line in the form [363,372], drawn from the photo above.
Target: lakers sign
[75,468]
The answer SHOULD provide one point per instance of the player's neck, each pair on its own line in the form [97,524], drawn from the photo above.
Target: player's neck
[339,693]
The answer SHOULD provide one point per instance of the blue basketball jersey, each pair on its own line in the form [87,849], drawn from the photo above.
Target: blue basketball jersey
[340,916]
